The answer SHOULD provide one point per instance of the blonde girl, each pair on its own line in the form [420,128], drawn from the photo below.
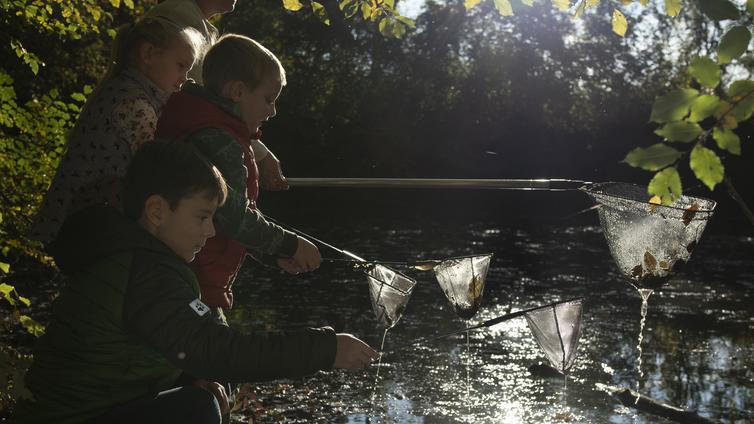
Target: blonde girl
[150,61]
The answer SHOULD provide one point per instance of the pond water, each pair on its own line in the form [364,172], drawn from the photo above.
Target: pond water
[698,343]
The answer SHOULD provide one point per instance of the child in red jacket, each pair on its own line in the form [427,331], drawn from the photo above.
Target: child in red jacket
[242,81]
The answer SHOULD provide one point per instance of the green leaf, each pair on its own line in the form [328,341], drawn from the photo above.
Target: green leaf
[727,140]
[504,7]
[666,184]
[292,5]
[741,98]
[6,292]
[349,8]
[468,4]
[129,4]
[733,44]
[4,267]
[115,3]
[31,326]
[672,7]
[706,71]
[719,10]
[680,131]
[673,106]
[653,158]
[706,166]
[620,25]
[25,301]
[320,12]
[703,107]
[527,2]
[750,6]
[79,97]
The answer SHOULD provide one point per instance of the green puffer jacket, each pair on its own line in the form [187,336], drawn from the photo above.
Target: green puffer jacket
[130,322]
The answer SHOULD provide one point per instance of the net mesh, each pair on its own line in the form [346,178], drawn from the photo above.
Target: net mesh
[556,329]
[648,241]
[462,281]
[390,291]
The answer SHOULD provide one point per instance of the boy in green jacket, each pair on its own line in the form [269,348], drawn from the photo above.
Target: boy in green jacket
[130,338]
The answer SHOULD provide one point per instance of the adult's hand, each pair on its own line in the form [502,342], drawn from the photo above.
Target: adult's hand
[307,255]
[270,174]
[218,390]
[352,353]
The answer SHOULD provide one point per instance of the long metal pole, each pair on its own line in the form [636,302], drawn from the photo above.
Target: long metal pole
[556,184]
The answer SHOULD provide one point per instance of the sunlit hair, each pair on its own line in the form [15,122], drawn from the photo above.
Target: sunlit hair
[159,32]
[173,170]
[238,58]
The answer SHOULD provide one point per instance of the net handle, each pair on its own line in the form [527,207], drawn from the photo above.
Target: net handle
[323,243]
[550,184]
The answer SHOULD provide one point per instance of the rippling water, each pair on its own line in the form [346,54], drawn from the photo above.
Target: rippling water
[698,346]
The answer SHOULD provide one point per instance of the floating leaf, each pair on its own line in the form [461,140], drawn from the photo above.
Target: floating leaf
[706,71]
[719,10]
[727,140]
[673,106]
[733,44]
[528,2]
[706,166]
[620,25]
[32,326]
[690,213]
[666,185]
[672,7]
[680,131]
[4,267]
[649,261]
[703,107]
[504,7]
[664,265]
[292,5]
[471,3]
[653,158]
[320,12]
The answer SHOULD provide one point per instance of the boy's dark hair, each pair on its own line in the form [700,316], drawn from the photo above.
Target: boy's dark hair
[173,170]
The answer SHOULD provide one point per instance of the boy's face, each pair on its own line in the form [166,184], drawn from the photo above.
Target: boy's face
[187,228]
[258,105]
[168,67]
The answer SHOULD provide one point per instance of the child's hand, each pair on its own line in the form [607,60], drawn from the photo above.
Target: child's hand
[289,265]
[352,353]
[307,255]
[218,390]
[270,175]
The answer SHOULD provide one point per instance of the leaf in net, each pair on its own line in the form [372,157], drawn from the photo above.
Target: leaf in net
[462,281]
[649,241]
[390,291]
[556,329]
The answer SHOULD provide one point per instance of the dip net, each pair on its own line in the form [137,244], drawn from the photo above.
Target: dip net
[557,329]
[389,291]
[462,280]
[649,241]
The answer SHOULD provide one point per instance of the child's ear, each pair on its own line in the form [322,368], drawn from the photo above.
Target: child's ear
[234,90]
[146,52]
[155,210]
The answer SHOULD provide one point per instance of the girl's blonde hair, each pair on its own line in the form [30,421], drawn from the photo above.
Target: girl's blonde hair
[158,31]
[238,58]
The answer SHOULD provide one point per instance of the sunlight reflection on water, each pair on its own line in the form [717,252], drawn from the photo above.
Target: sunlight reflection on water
[698,358]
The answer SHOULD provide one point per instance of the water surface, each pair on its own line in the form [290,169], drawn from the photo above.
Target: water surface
[698,348]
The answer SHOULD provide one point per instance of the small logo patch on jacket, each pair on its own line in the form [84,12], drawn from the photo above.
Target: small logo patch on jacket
[199,307]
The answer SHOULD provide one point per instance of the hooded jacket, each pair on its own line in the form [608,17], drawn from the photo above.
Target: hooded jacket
[130,320]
